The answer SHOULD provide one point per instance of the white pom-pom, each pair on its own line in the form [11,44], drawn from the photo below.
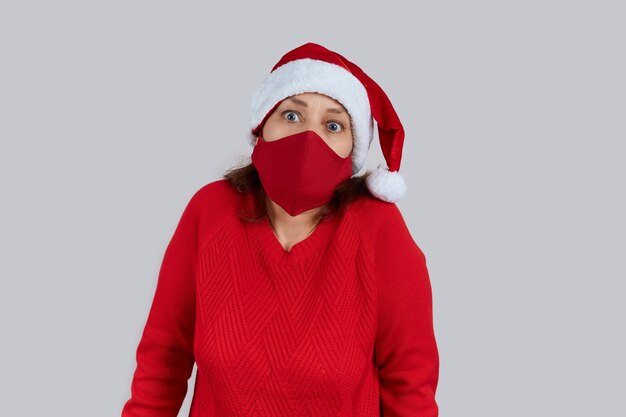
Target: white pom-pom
[386,185]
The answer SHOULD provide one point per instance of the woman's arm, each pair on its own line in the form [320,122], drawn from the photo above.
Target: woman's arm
[406,350]
[165,352]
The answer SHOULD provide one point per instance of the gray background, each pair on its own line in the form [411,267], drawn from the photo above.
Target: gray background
[112,114]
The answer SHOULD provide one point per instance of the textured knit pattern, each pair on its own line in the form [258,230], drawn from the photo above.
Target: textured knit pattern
[340,325]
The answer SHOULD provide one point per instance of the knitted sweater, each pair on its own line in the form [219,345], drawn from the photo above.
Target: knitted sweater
[340,325]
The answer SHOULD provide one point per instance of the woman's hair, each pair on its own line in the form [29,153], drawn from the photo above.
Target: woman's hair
[245,179]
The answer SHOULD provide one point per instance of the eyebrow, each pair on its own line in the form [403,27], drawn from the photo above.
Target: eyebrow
[303,103]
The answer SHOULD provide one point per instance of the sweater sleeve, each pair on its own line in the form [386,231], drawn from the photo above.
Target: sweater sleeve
[406,351]
[164,356]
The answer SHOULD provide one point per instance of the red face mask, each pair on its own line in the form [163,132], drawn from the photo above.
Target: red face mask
[300,171]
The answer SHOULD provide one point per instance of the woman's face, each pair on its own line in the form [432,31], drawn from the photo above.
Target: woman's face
[311,111]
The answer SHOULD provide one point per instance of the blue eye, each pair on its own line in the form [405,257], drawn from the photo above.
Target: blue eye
[338,126]
[289,113]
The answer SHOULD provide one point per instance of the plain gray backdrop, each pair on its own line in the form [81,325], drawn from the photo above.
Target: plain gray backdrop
[112,114]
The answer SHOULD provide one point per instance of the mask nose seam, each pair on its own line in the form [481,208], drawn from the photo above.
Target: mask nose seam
[306,151]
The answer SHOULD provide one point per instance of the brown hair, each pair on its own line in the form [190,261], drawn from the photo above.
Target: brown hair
[245,179]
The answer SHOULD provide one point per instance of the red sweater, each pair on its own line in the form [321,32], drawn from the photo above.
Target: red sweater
[341,325]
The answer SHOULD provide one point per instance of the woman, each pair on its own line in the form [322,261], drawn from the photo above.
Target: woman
[293,283]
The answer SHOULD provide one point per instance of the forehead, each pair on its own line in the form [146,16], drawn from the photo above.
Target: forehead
[309,97]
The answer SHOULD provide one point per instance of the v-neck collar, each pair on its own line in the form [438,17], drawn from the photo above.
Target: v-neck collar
[266,240]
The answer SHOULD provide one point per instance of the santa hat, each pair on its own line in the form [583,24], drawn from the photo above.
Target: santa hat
[314,68]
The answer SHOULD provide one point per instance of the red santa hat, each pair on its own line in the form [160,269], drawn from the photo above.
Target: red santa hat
[314,68]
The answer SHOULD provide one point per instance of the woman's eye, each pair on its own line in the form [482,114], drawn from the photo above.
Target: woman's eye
[292,116]
[335,127]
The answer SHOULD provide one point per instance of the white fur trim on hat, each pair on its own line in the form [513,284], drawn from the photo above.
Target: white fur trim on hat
[386,185]
[311,75]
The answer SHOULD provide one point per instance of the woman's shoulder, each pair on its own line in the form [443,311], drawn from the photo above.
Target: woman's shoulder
[375,213]
[211,207]
[218,194]
[216,199]
[381,223]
